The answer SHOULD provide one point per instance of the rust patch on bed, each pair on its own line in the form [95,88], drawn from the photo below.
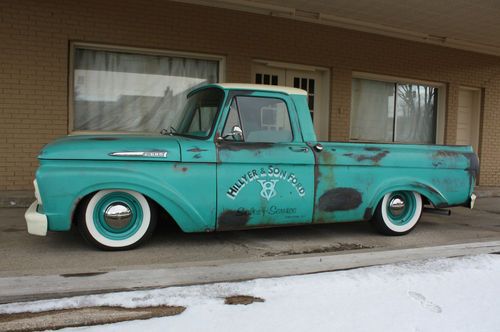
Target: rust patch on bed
[444,153]
[368,214]
[473,168]
[376,158]
[426,187]
[340,199]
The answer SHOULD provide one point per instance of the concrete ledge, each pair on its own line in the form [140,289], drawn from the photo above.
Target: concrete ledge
[16,199]
[28,288]
[487,191]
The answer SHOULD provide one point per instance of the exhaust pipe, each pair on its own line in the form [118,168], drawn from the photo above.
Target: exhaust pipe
[443,212]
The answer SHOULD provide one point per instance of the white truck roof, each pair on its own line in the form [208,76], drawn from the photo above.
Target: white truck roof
[262,87]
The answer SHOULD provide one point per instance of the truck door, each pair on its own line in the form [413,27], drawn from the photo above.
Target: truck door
[265,172]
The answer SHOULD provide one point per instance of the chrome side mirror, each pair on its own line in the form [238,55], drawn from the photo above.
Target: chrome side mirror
[236,134]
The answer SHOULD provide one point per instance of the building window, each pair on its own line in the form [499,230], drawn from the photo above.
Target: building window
[118,90]
[393,112]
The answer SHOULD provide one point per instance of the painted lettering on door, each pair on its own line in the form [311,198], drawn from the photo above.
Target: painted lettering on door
[267,178]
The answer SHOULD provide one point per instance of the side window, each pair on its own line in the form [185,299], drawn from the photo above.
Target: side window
[233,119]
[261,119]
[201,123]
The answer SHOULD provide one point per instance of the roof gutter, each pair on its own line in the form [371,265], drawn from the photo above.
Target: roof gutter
[346,23]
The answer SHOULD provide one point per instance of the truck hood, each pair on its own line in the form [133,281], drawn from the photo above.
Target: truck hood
[113,147]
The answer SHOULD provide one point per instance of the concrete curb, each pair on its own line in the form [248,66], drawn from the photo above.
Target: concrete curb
[29,288]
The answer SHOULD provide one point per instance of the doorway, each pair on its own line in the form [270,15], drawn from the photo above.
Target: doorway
[314,80]
[469,109]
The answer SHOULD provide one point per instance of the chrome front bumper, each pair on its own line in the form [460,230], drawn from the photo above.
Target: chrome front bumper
[36,221]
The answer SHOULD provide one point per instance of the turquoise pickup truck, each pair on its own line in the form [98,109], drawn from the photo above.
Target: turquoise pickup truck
[241,156]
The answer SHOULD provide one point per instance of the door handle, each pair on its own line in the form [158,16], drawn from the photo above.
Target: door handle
[298,149]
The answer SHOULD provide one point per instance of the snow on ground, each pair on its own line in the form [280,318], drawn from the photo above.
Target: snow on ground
[456,294]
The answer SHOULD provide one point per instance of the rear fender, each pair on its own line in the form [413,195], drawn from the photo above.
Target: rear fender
[425,189]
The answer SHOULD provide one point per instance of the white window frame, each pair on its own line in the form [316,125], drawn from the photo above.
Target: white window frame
[441,106]
[133,50]
[324,101]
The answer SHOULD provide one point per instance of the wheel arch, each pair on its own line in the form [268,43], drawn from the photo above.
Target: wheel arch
[426,190]
[172,203]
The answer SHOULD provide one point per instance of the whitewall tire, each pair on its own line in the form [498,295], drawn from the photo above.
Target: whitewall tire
[398,212]
[116,219]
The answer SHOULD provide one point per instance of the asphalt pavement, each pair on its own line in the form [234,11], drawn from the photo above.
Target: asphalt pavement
[66,253]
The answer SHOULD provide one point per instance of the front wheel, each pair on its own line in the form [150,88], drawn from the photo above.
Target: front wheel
[398,212]
[116,219]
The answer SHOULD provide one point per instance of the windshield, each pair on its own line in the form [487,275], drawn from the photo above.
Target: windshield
[198,116]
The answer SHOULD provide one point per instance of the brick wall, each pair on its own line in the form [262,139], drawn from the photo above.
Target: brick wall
[34,47]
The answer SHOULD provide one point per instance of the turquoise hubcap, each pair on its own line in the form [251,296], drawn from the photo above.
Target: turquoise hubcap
[118,216]
[401,206]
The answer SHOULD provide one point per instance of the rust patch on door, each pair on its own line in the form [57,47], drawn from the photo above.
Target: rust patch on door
[245,146]
[233,219]
[340,199]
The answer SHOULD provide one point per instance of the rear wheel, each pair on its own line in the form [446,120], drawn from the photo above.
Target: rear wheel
[117,219]
[398,212]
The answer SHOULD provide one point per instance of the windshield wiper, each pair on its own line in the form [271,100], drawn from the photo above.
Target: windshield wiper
[171,132]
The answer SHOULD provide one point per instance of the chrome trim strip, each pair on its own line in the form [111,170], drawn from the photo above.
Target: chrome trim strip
[153,154]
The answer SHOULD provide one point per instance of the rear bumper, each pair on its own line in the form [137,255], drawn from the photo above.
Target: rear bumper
[36,221]
[472,200]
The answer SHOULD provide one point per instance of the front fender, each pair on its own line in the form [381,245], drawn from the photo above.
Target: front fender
[63,184]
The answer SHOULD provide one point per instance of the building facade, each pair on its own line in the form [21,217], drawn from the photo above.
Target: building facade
[125,66]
